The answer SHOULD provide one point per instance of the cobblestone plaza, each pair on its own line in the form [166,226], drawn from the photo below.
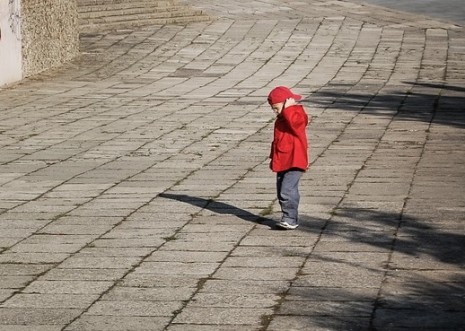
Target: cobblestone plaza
[135,192]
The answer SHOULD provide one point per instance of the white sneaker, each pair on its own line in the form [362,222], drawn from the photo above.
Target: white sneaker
[287,226]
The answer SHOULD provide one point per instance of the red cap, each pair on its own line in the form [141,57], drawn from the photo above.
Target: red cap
[280,94]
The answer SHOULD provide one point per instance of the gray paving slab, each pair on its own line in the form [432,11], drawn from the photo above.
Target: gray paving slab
[447,10]
[135,192]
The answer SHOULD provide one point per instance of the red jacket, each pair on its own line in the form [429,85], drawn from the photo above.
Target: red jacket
[289,147]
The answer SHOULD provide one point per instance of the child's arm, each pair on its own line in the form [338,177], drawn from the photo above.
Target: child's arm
[296,119]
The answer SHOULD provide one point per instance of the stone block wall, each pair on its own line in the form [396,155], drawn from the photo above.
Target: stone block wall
[49,33]
[37,35]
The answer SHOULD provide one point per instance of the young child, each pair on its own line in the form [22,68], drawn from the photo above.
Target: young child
[289,158]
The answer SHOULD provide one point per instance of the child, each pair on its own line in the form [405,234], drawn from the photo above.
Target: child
[288,155]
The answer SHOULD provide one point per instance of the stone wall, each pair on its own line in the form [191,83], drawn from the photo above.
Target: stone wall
[36,35]
[50,33]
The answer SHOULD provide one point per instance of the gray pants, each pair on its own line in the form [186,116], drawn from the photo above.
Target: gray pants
[287,184]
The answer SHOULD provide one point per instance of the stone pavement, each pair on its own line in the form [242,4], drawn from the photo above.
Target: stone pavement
[135,192]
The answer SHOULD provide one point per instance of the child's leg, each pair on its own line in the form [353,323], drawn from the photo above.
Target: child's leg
[288,194]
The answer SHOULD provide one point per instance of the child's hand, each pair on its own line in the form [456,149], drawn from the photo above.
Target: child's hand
[279,107]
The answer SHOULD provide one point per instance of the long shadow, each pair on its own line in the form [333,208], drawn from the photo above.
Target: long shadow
[446,102]
[219,208]
[414,238]
[438,86]
[420,303]
[361,226]
[418,293]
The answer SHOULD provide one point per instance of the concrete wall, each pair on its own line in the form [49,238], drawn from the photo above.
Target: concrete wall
[10,42]
[48,35]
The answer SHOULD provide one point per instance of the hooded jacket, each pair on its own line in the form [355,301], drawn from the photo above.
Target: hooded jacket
[289,147]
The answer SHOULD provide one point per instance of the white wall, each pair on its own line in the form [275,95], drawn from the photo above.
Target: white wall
[10,42]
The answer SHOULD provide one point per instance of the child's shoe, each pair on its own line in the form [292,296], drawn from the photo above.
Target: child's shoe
[285,225]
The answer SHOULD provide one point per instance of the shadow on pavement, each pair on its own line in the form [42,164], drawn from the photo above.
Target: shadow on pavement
[219,207]
[446,102]
[365,226]
[424,288]
[409,302]
[414,237]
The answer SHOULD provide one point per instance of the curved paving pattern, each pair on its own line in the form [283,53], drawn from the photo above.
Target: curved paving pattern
[135,192]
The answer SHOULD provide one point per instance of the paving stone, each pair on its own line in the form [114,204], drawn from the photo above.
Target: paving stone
[50,239]
[32,257]
[319,323]
[24,247]
[37,316]
[68,287]
[15,282]
[72,274]
[116,252]
[186,257]
[333,294]
[57,301]
[275,251]
[309,308]
[151,280]
[22,269]
[205,246]
[174,268]
[394,318]
[206,237]
[221,316]
[29,327]
[286,241]
[373,260]
[134,308]
[192,327]
[149,294]
[353,276]
[218,286]
[89,322]
[83,261]
[263,262]
[251,273]
[149,242]
[6,293]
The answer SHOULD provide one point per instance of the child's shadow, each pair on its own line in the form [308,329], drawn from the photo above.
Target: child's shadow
[220,208]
